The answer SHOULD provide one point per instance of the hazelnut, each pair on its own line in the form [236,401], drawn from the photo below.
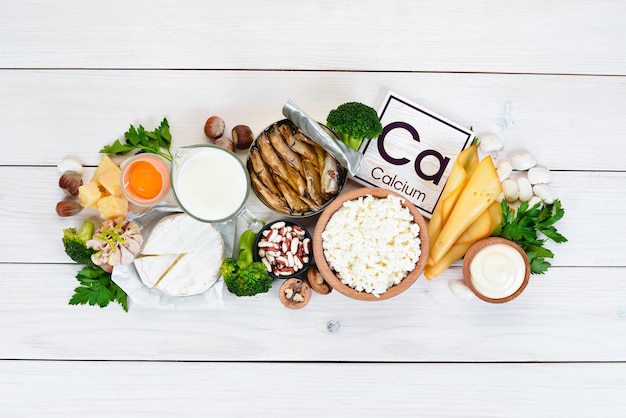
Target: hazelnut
[317,282]
[70,181]
[242,136]
[214,127]
[68,207]
[226,143]
[295,293]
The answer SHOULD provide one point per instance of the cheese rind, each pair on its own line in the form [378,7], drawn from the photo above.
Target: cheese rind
[182,256]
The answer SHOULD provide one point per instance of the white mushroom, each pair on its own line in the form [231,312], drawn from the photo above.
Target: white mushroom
[522,160]
[525,189]
[539,175]
[510,190]
[70,164]
[459,289]
[490,143]
[533,201]
[504,170]
[544,192]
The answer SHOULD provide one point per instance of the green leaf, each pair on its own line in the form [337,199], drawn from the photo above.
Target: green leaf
[554,235]
[97,288]
[524,225]
[120,296]
[117,148]
[138,139]
[539,266]
[134,136]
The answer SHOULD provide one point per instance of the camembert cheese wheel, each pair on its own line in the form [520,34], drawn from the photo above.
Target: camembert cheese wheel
[181,256]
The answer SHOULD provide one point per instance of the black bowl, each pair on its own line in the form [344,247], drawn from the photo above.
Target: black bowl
[275,246]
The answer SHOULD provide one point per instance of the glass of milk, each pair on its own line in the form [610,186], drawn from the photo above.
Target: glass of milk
[211,184]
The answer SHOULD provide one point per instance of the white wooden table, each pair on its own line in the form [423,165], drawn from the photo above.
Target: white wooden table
[550,75]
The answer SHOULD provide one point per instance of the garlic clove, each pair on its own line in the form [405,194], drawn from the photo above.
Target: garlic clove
[70,164]
[525,189]
[504,170]
[539,175]
[545,193]
[522,160]
[490,143]
[510,190]
[459,289]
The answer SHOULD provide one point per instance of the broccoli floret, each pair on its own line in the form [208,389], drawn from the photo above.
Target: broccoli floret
[245,277]
[249,280]
[75,243]
[353,122]
[229,269]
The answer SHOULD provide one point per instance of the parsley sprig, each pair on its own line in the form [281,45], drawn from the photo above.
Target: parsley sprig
[157,142]
[527,227]
[97,288]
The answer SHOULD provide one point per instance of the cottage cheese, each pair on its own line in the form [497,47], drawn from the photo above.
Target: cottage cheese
[372,243]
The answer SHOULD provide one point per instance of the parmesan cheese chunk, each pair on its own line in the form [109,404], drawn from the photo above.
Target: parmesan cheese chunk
[181,256]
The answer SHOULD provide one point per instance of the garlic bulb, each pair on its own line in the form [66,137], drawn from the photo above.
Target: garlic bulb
[116,242]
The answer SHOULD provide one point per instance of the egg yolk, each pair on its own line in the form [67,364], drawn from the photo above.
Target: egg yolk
[144,180]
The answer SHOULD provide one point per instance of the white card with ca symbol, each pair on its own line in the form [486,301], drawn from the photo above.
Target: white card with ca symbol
[414,154]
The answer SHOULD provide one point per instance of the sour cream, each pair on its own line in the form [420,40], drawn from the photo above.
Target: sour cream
[497,271]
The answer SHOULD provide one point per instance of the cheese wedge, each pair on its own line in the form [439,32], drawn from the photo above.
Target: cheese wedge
[181,256]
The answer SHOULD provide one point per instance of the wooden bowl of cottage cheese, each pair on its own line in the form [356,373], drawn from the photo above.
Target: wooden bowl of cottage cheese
[370,244]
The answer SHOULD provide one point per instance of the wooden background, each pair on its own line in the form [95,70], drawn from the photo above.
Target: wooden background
[549,76]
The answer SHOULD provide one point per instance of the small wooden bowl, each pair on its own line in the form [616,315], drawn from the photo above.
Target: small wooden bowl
[471,253]
[329,274]
[303,288]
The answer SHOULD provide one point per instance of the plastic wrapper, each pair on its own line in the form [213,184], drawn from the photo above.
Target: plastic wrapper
[349,158]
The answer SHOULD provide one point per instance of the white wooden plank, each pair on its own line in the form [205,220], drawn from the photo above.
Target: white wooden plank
[593,222]
[570,123]
[571,314]
[583,37]
[77,389]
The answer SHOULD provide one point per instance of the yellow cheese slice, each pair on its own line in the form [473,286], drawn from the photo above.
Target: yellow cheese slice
[481,189]
[481,228]
[453,254]
[463,167]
